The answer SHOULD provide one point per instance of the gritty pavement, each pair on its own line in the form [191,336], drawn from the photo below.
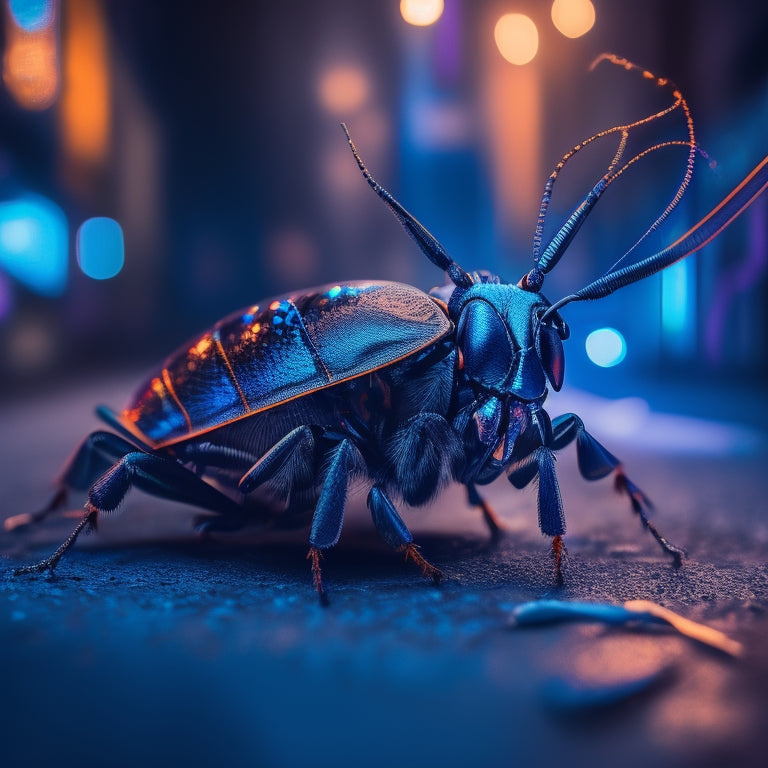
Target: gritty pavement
[150,646]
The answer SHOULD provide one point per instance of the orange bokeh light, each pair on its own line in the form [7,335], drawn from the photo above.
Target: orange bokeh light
[421,13]
[516,38]
[343,89]
[573,18]
[85,102]
[30,64]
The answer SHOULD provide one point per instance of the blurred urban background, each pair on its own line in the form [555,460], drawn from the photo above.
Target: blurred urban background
[164,163]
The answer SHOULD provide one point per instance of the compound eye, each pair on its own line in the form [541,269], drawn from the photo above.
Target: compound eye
[485,343]
[549,348]
[550,351]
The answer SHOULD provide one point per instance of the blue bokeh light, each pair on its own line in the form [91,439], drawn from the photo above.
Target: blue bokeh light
[31,15]
[100,248]
[606,347]
[33,243]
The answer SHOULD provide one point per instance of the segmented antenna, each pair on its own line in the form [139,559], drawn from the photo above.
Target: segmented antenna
[544,262]
[732,206]
[693,148]
[433,250]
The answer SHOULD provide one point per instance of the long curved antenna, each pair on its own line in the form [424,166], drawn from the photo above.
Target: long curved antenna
[672,203]
[546,261]
[695,238]
[693,148]
[433,250]
[560,242]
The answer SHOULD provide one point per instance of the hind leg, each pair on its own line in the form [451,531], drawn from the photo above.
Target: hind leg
[157,475]
[94,456]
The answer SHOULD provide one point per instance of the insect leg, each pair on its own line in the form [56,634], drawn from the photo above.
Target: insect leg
[551,515]
[395,532]
[208,456]
[94,456]
[541,464]
[299,440]
[88,520]
[425,454]
[205,455]
[329,512]
[157,475]
[595,462]
[495,525]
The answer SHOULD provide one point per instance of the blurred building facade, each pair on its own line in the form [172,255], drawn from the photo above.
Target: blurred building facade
[211,137]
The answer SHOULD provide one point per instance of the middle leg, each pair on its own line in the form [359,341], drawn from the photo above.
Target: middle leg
[492,520]
[328,517]
[395,532]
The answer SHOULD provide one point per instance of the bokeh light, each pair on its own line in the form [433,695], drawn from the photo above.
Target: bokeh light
[100,248]
[516,38]
[86,110]
[343,89]
[421,13]
[31,59]
[31,15]
[675,296]
[32,345]
[292,256]
[86,99]
[573,18]
[33,244]
[606,347]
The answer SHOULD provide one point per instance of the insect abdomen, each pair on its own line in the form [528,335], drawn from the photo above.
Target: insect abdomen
[289,346]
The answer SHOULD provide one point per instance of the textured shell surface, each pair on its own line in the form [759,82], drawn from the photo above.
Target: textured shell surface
[281,349]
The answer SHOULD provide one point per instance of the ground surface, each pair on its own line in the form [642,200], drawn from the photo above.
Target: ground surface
[150,646]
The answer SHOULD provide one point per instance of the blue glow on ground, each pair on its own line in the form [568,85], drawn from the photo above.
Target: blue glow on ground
[31,15]
[606,347]
[33,244]
[100,248]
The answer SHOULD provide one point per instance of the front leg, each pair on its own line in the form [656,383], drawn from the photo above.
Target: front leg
[595,462]
[423,456]
[541,464]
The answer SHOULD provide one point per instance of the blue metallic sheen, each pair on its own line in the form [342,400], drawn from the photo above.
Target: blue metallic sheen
[292,346]
[502,316]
